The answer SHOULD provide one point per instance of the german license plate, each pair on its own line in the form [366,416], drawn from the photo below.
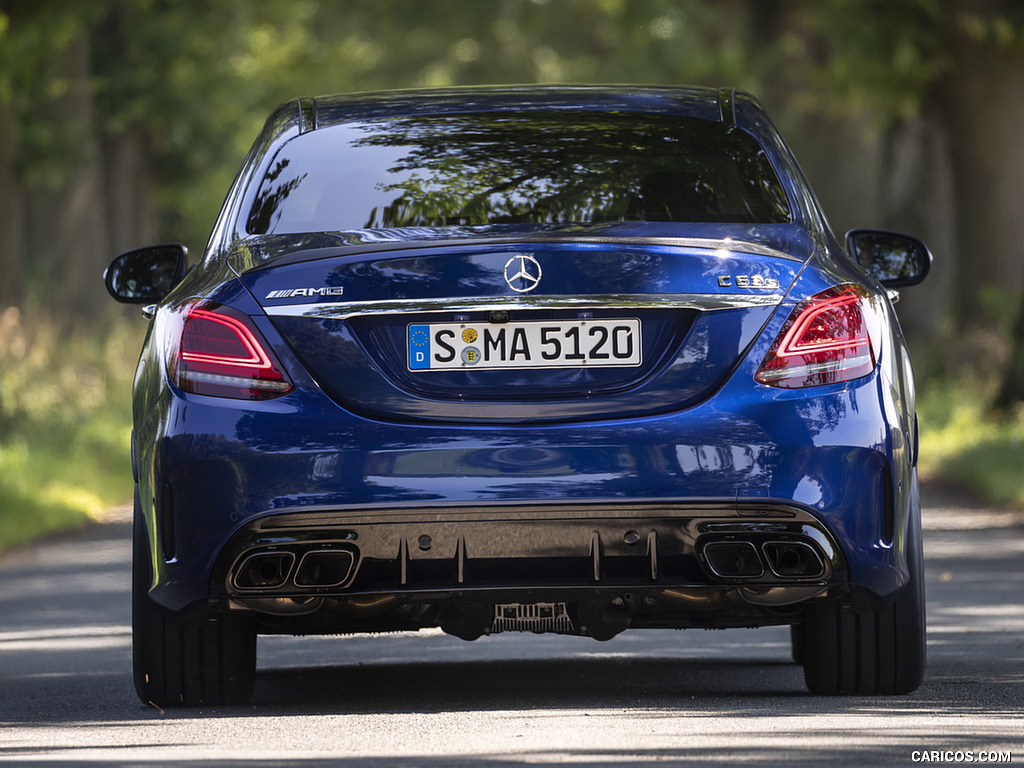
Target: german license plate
[530,344]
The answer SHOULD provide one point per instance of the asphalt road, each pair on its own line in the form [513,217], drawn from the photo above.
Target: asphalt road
[430,701]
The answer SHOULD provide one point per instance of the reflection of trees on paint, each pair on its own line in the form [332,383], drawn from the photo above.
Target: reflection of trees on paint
[559,167]
[526,167]
[272,196]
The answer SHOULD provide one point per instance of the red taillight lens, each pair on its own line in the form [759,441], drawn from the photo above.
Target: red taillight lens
[830,338]
[217,352]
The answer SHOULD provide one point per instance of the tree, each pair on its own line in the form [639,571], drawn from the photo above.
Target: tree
[37,84]
[122,121]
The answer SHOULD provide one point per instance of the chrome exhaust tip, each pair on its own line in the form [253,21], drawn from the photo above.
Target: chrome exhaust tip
[263,570]
[733,559]
[789,559]
[324,568]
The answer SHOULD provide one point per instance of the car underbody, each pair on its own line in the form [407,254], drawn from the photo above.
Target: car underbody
[591,570]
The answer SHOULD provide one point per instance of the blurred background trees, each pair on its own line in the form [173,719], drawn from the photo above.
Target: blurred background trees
[122,123]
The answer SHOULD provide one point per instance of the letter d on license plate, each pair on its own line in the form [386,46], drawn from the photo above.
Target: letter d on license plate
[534,344]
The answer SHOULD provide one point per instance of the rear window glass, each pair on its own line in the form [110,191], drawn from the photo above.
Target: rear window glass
[528,167]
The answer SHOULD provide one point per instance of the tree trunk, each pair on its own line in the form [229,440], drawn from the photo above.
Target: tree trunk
[982,103]
[1011,389]
[130,208]
[899,180]
[67,231]
[12,247]
[916,195]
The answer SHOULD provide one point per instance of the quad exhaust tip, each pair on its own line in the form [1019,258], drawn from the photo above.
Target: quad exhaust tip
[327,568]
[737,559]
[315,569]
[793,559]
[265,570]
[733,559]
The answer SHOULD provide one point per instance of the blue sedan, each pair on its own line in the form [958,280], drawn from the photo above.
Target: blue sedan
[539,359]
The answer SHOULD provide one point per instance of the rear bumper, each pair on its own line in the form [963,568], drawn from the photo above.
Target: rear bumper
[514,548]
[599,506]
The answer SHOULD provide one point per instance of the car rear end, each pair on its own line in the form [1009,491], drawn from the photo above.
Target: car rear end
[665,462]
[630,408]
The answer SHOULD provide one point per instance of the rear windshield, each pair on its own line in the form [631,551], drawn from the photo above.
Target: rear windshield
[527,167]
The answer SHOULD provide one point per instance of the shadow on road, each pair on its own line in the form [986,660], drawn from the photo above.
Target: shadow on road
[66,680]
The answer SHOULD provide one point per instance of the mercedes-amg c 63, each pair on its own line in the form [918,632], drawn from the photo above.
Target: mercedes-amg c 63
[542,359]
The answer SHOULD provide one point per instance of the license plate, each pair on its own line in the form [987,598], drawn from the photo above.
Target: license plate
[532,344]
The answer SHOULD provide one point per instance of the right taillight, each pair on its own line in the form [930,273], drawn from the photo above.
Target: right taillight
[828,339]
[215,351]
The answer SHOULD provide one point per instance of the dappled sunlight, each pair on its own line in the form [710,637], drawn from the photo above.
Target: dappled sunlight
[47,590]
[64,422]
[984,625]
[77,499]
[66,639]
[690,729]
[964,443]
[1014,614]
[951,548]
[941,518]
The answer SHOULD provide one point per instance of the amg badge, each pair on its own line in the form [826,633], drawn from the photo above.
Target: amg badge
[291,293]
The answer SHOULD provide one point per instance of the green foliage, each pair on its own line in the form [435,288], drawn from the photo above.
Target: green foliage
[886,59]
[868,56]
[197,77]
[202,98]
[36,42]
[965,445]
[64,423]
[194,79]
[1000,26]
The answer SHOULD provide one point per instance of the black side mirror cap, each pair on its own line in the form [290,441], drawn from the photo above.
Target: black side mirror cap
[146,275]
[893,259]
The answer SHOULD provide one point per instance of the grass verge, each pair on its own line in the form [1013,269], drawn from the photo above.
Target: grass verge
[65,422]
[965,445]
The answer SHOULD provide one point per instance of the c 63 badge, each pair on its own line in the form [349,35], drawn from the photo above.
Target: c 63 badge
[747,281]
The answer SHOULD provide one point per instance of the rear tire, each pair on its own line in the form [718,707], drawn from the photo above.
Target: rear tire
[873,652]
[185,663]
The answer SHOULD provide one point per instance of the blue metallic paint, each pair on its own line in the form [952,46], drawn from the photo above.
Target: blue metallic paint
[228,465]
[224,464]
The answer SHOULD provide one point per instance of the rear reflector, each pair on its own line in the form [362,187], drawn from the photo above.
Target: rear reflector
[218,352]
[829,338]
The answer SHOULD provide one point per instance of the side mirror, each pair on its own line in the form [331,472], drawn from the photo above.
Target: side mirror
[146,275]
[893,259]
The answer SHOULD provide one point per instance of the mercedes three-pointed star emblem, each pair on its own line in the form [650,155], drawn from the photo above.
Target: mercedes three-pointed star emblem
[522,273]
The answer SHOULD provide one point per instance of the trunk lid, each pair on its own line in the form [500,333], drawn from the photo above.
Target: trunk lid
[521,330]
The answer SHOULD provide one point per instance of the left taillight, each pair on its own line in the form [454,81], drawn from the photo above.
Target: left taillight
[216,351]
[828,339]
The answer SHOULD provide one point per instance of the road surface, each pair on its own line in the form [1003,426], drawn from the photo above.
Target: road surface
[431,701]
